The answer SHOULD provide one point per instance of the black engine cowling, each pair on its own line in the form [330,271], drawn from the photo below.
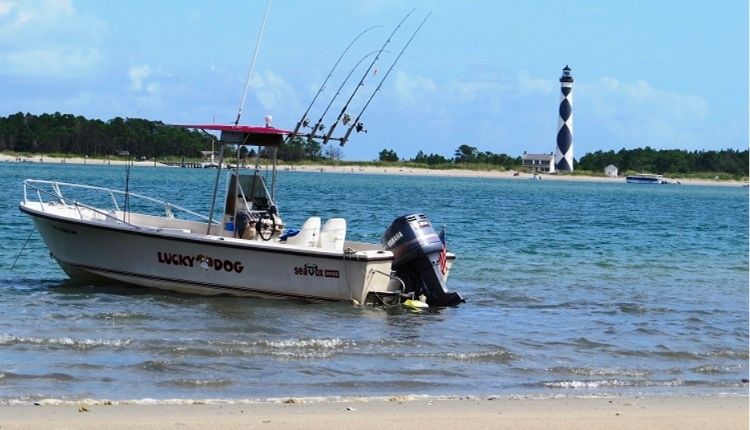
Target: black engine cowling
[417,251]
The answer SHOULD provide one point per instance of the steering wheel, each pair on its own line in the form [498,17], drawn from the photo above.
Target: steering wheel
[266,226]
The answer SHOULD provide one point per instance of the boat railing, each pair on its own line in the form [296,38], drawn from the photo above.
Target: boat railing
[53,189]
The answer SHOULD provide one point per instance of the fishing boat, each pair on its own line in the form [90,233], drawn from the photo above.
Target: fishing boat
[104,235]
[124,237]
[646,178]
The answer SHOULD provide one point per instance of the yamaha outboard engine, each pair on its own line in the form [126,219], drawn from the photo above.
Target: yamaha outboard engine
[416,249]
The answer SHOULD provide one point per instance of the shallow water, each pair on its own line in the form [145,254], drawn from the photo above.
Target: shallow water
[573,288]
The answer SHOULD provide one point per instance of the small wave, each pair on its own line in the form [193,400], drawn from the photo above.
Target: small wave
[709,369]
[604,371]
[582,341]
[198,383]
[321,344]
[128,316]
[573,384]
[318,344]
[610,383]
[496,356]
[429,372]
[636,309]
[688,355]
[155,366]
[560,305]
[50,401]
[79,344]
[648,331]
[57,377]
[290,348]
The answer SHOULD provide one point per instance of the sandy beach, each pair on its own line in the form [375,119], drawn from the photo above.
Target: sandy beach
[683,413]
[510,174]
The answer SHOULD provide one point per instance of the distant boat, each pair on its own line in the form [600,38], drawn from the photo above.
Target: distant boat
[646,178]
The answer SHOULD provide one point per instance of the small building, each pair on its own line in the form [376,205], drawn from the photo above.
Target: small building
[208,159]
[208,155]
[538,163]
[611,171]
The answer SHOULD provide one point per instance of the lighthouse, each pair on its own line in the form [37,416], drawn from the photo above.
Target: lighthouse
[564,153]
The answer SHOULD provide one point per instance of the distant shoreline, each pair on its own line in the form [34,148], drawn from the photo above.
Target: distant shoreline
[406,171]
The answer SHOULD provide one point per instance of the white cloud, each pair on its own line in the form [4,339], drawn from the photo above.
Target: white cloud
[48,38]
[411,90]
[5,8]
[22,19]
[639,114]
[56,61]
[137,76]
[272,91]
[529,85]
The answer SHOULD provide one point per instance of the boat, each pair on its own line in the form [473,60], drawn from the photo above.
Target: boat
[646,178]
[105,236]
[102,235]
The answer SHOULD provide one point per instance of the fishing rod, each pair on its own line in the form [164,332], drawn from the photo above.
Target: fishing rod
[319,124]
[362,81]
[322,87]
[356,122]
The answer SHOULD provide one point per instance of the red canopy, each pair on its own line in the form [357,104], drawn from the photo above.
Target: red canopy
[245,134]
[238,128]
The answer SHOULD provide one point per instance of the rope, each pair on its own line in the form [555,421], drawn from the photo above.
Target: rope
[22,248]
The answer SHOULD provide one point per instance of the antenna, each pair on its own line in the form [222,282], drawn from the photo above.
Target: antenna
[252,64]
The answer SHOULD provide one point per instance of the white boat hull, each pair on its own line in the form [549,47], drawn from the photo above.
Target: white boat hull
[183,261]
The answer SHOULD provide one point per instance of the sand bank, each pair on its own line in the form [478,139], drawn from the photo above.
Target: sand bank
[683,413]
[74,160]
[374,170]
[509,174]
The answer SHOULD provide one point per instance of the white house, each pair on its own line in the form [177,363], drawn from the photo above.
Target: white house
[611,171]
[539,162]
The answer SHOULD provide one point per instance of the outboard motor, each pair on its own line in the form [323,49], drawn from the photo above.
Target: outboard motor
[416,249]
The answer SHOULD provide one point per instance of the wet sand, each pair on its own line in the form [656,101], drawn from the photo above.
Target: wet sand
[683,413]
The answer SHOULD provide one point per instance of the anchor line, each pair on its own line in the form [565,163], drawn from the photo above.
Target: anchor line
[22,249]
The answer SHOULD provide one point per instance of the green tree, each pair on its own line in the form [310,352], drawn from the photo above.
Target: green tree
[388,155]
[465,154]
[293,150]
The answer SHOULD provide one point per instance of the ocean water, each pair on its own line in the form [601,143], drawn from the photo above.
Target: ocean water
[572,288]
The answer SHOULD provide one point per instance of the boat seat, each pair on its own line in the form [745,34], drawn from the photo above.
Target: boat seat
[308,235]
[332,234]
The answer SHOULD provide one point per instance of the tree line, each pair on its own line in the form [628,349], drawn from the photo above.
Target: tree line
[464,155]
[668,161]
[69,134]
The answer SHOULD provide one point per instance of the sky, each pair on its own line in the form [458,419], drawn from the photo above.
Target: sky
[669,74]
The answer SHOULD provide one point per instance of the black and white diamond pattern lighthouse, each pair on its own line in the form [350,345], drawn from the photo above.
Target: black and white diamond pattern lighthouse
[564,153]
